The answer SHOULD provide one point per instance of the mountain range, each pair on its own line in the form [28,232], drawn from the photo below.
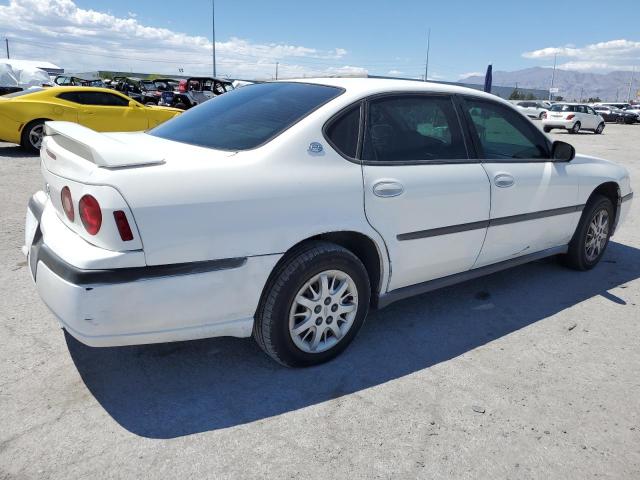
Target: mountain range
[571,85]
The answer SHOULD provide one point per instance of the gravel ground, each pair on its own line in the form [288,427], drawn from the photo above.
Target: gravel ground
[529,373]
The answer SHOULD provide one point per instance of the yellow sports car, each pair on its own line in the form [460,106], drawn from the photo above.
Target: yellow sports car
[22,114]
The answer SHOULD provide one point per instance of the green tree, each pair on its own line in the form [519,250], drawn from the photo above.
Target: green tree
[594,100]
[516,95]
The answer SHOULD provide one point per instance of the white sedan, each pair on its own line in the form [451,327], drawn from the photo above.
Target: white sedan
[286,210]
[573,118]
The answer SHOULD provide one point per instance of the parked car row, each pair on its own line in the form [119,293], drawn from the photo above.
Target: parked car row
[23,114]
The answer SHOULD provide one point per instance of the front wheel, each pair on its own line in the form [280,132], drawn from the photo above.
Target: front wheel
[547,129]
[599,129]
[313,306]
[32,135]
[592,235]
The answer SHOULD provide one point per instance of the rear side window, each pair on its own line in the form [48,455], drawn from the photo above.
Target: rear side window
[504,134]
[247,117]
[412,128]
[95,98]
[344,131]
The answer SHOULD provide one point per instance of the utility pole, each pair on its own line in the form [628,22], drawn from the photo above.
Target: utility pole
[631,84]
[581,91]
[6,42]
[553,75]
[277,70]
[213,34]
[426,68]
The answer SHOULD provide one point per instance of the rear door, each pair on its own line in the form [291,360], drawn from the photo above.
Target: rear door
[533,199]
[421,191]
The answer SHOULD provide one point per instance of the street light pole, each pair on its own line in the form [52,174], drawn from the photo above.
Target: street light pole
[6,42]
[553,76]
[213,34]
[426,68]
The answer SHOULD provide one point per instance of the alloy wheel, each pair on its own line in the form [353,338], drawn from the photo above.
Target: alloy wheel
[323,311]
[35,136]
[597,235]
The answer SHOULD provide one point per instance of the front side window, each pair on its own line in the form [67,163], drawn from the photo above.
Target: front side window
[247,117]
[504,134]
[412,128]
[99,99]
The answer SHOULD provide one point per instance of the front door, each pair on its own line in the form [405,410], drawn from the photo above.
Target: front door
[110,112]
[422,193]
[533,199]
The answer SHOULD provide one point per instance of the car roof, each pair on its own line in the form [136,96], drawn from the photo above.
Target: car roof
[371,86]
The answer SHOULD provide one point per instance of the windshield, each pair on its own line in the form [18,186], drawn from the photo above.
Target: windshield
[563,108]
[248,117]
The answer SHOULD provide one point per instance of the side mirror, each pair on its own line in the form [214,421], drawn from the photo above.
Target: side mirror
[562,151]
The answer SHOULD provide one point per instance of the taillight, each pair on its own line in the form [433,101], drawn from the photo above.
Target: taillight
[569,117]
[123,225]
[67,203]
[90,214]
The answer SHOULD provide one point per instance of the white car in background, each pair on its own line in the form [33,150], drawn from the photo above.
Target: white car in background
[573,117]
[533,108]
[278,210]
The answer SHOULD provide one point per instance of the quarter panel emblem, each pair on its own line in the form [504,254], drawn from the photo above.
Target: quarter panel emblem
[315,147]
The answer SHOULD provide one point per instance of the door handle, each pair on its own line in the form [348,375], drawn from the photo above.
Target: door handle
[503,180]
[388,189]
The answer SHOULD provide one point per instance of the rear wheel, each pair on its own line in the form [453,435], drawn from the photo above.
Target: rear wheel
[576,128]
[599,129]
[592,235]
[32,135]
[314,305]
[547,129]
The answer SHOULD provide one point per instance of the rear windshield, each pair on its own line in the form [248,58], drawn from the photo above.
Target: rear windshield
[563,108]
[247,117]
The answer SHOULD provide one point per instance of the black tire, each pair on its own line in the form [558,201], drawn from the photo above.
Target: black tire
[25,137]
[575,129]
[541,116]
[547,129]
[180,105]
[599,129]
[271,325]
[576,257]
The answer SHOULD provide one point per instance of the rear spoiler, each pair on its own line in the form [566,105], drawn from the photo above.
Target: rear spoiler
[103,151]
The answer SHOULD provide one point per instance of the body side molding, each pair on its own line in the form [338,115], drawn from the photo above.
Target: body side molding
[489,223]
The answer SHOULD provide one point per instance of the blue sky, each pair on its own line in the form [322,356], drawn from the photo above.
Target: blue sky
[329,37]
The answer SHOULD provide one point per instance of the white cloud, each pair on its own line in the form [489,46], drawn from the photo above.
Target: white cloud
[604,56]
[81,39]
[471,74]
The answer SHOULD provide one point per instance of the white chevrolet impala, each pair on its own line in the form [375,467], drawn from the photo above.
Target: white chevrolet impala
[286,210]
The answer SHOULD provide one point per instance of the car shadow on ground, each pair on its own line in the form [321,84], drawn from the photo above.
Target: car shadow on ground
[171,390]
[14,151]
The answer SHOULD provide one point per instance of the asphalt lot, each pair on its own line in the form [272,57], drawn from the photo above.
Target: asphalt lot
[529,373]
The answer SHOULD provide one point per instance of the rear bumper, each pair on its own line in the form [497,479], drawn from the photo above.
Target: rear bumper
[566,124]
[138,305]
